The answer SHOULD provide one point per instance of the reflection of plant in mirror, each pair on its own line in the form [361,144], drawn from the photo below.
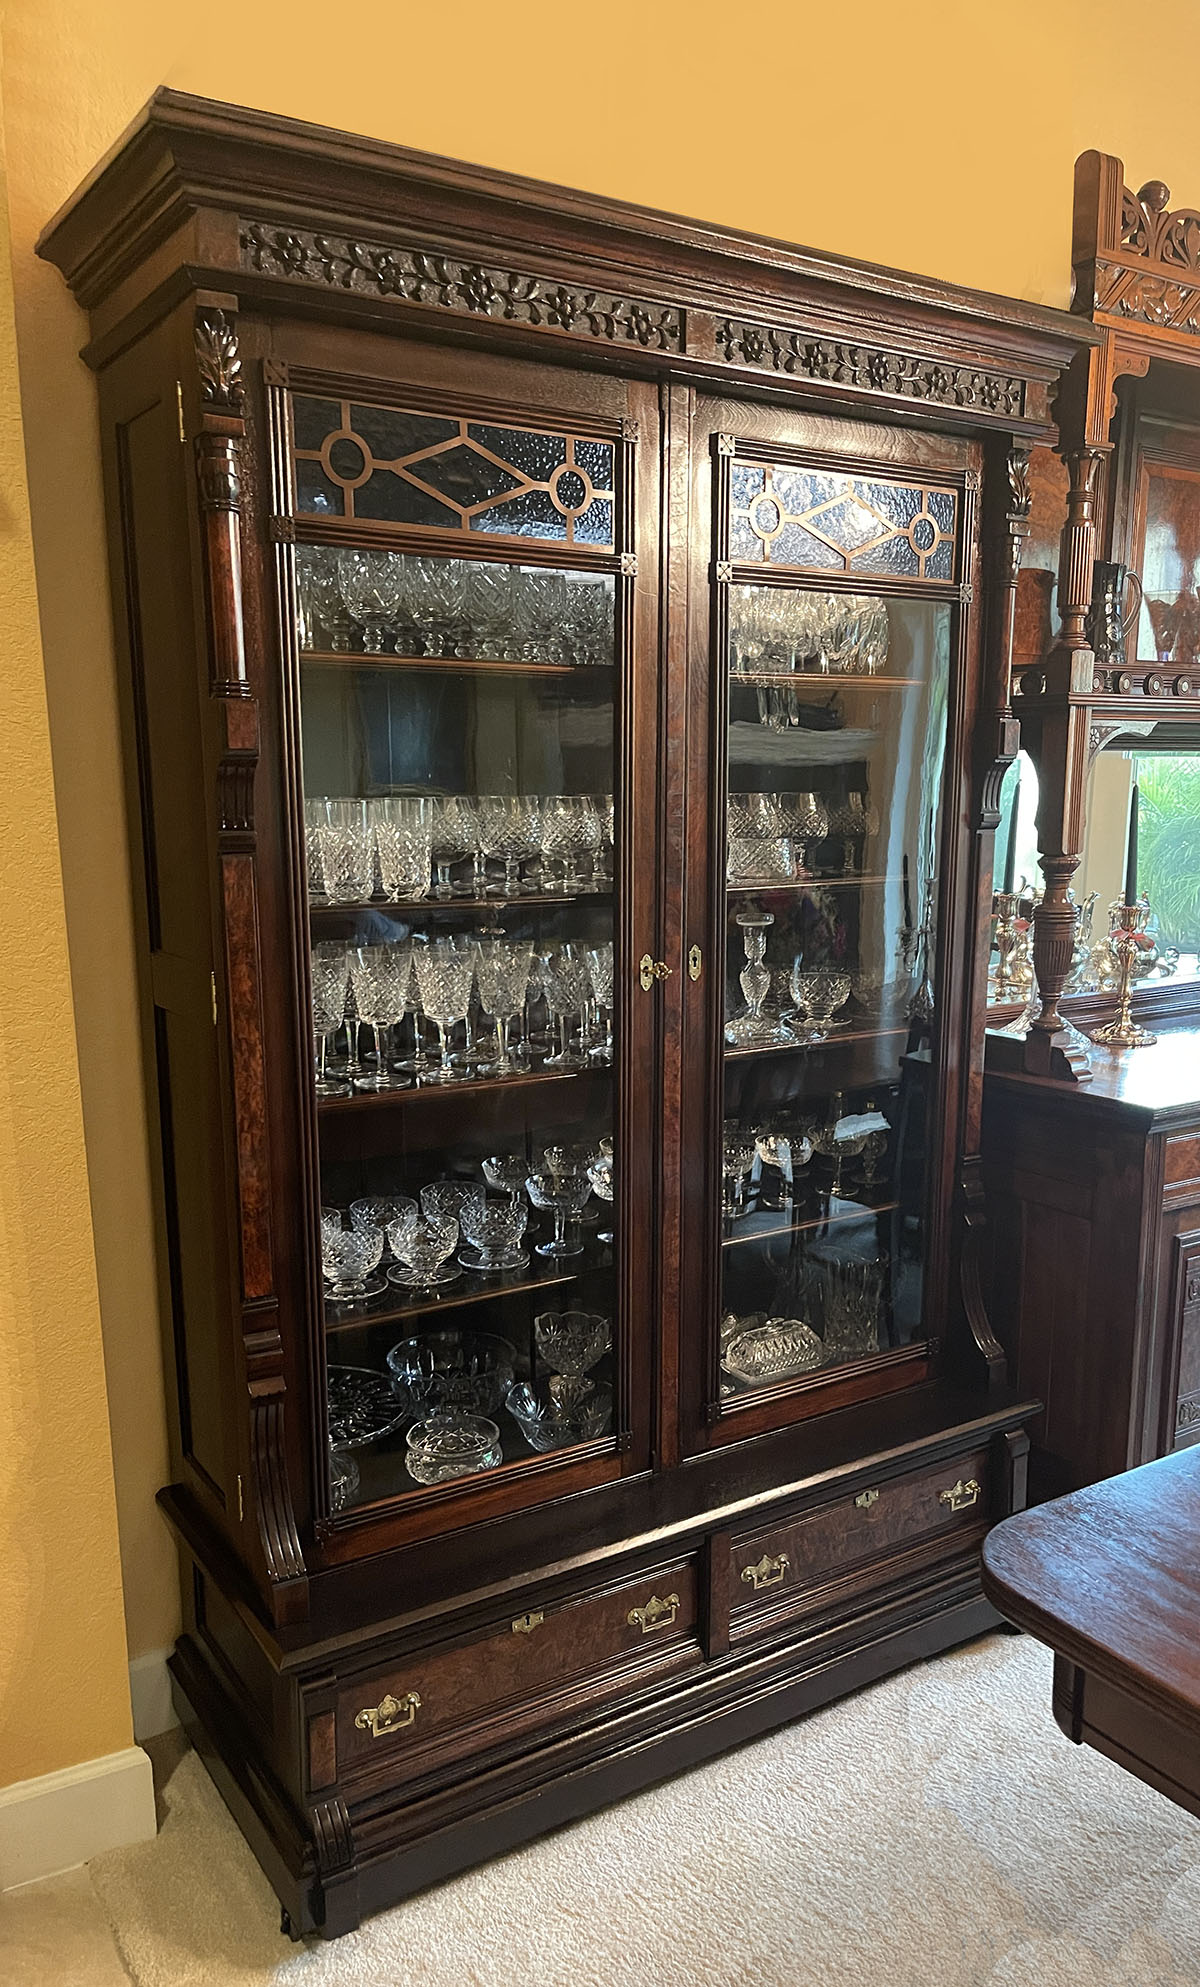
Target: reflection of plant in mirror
[1168,837]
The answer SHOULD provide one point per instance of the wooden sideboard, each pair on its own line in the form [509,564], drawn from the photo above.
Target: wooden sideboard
[1093,1259]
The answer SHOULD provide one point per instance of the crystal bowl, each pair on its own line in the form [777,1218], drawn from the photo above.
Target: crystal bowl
[450,1445]
[560,1410]
[454,1369]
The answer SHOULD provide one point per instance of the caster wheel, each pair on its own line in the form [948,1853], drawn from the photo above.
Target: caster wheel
[286,1926]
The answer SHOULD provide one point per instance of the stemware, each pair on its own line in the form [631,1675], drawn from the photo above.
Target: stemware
[454,835]
[380,978]
[403,828]
[819,991]
[507,1172]
[452,1445]
[423,1246]
[489,599]
[502,975]
[371,584]
[572,1341]
[600,1175]
[445,969]
[600,972]
[379,1211]
[737,1160]
[319,583]
[315,814]
[348,1258]
[752,1029]
[566,833]
[344,1478]
[565,1195]
[329,969]
[493,1231]
[566,985]
[444,1200]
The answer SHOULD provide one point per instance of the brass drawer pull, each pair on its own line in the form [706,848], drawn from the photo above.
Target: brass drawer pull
[656,1614]
[960,1496]
[526,1623]
[865,1499]
[767,1573]
[391,1714]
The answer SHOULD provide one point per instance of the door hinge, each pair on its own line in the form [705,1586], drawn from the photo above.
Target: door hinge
[213,978]
[241,1502]
[179,410]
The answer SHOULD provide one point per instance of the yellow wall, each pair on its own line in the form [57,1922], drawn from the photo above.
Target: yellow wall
[939,139]
[63,1688]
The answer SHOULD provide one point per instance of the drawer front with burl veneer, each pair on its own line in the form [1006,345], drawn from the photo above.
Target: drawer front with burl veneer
[857,1542]
[538,1668]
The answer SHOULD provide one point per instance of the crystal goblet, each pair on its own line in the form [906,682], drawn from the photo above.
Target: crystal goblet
[445,970]
[423,1247]
[493,1231]
[348,1257]
[565,1195]
[329,972]
[819,991]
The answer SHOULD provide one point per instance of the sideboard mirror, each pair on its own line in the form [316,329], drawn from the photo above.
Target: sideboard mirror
[1155,766]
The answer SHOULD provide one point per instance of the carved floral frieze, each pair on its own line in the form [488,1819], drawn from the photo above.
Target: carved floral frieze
[845,364]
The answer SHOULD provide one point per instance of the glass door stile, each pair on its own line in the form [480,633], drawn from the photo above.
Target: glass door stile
[459,712]
[834,740]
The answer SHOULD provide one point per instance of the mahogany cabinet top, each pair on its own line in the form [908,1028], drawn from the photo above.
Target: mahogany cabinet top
[202,195]
[1109,1577]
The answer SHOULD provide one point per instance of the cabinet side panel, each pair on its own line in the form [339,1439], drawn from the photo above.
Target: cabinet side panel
[163,718]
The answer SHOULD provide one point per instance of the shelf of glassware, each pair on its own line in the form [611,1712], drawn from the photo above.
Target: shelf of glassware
[467,1090]
[768,1224]
[462,665]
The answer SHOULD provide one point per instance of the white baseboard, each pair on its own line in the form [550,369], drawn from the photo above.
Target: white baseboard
[150,1695]
[63,1819]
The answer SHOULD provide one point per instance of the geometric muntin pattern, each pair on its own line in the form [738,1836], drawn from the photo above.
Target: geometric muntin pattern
[353,459]
[819,520]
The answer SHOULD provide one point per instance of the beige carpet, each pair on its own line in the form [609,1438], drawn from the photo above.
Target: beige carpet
[934,1831]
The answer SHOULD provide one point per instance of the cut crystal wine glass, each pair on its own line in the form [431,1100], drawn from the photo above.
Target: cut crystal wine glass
[600,1178]
[379,975]
[455,836]
[566,985]
[371,584]
[489,608]
[502,975]
[600,971]
[445,969]
[329,973]
[403,828]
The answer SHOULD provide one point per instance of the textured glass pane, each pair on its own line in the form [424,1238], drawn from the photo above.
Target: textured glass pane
[797,547]
[533,455]
[836,756]
[389,434]
[596,460]
[746,479]
[942,507]
[315,492]
[313,419]
[744,544]
[347,459]
[398,501]
[467,477]
[895,555]
[594,526]
[801,490]
[940,563]
[528,515]
[894,501]
[849,523]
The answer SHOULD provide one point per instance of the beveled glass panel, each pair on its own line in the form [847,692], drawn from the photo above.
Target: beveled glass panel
[836,760]
[357,459]
[826,520]
[458,732]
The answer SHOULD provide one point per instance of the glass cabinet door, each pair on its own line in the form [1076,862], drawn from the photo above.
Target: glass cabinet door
[838,623]
[463,794]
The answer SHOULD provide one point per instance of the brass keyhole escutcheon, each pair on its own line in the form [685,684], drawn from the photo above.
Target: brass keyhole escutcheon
[695,963]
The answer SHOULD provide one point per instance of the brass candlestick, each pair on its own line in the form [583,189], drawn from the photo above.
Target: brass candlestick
[1126,937]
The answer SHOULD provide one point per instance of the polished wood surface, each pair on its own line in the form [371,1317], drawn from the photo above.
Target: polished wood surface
[1109,1579]
[230,260]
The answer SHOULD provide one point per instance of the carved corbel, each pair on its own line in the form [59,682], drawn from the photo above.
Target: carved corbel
[218,447]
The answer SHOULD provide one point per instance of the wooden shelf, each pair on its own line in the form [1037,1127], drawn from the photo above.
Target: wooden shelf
[833,1040]
[322,916]
[364,1102]
[769,1223]
[471,1288]
[842,882]
[454,664]
[791,679]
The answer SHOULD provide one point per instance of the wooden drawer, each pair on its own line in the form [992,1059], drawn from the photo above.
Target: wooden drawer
[535,1668]
[787,1570]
